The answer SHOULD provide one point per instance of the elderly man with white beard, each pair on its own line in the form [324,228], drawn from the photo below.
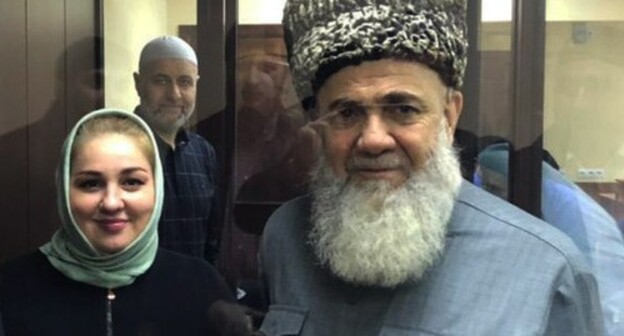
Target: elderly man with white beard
[391,240]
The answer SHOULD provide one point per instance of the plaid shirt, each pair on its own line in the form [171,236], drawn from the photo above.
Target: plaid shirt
[188,223]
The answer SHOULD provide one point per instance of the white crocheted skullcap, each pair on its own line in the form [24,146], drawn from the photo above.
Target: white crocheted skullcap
[323,36]
[166,47]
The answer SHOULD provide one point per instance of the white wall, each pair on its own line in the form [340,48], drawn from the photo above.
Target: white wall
[270,11]
[125,34]
[584,10]
[128,25]
[260,11]
[559,10]
[181,12]
[583,98]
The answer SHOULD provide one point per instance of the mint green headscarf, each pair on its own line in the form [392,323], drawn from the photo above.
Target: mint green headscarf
[70,251]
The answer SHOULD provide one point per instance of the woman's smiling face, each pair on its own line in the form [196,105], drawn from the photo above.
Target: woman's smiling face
[111,191]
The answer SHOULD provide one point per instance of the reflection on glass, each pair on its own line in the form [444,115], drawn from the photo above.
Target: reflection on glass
[582,130]
[582,120]
[574,212]
[275,150]
[273,154]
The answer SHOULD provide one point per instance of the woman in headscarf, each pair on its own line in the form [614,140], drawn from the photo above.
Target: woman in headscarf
[103,273]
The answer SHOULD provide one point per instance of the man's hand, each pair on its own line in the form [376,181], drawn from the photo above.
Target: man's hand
[230,319]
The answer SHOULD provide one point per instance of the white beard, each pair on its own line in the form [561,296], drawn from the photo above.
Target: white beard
[374,234]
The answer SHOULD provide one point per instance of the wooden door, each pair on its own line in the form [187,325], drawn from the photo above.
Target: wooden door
[50,70]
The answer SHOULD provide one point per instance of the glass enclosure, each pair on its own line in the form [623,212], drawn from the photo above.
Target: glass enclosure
[543,84]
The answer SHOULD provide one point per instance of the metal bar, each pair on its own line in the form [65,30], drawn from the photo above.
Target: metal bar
[525,176]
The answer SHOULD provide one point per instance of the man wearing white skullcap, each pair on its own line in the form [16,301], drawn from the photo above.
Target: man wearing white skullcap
[391,240]
[167,47]
[167,84]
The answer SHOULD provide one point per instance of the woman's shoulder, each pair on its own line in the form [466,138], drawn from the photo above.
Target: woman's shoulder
[170,259]
[34,261]
[183,267]
[186,273]
[27,276]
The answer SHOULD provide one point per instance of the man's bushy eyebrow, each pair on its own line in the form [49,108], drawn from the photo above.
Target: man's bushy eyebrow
[341,103]
[391,98]
[398,97]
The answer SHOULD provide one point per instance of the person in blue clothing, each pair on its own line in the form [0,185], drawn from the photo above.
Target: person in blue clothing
[166,84]
[571,210]
[391,240]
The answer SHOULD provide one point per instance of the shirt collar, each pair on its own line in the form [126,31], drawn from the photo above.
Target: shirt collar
[181,140]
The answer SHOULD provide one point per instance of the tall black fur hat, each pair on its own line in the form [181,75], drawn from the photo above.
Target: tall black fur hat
[323,36]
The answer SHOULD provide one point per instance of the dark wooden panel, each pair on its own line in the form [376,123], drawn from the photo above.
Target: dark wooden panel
[13,65]
[84,88]
[45,66]
[46,111]
[13,135]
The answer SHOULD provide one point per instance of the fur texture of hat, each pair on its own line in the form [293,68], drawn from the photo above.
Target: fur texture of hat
[323,36]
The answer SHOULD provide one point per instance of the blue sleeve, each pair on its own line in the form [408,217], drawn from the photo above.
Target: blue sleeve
[596,234]
[575,307]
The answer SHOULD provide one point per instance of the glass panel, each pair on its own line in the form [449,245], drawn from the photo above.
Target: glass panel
[60,68]
[269,118]
[125,35]
[51,72]
[489,102]
[582,157]
[582,98]
[64,59]
[583,191]
[274,149]
[582,103]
